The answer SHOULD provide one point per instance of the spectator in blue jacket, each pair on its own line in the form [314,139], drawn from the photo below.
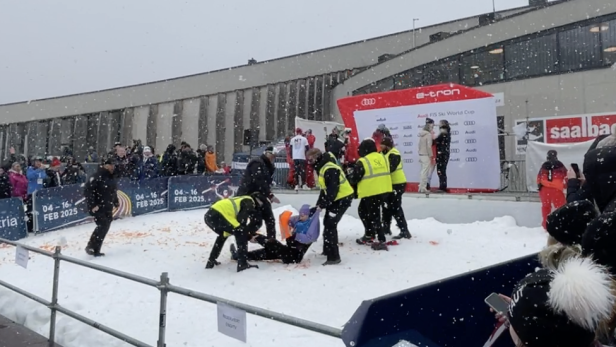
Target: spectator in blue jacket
[36,175]
[303,233]
[148,167]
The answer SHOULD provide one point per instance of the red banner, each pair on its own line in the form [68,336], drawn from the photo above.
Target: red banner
[578,128]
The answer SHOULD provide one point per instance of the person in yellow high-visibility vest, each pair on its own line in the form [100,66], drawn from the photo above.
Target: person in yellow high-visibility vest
[393,207]
[229,217]
[371,173]
[335,198]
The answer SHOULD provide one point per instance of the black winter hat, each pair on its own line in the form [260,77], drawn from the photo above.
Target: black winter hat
[599,240]
[429,121]
[568,223]
[109,161]
[564,307]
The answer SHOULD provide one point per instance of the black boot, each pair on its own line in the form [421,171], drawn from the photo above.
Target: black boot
[241,266]
[403,235]
[233,251]
[332,262]
[380,246]
[211,263]
[90,250]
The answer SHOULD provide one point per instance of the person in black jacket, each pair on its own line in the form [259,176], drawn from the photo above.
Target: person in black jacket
[74,173]
[236,217]
[393,208]
[187,160]
[201,159]
[258,178]
[169,162]
[443,142]
[597,183]
[124,164]
[5,185]
[331,179]
[101,197]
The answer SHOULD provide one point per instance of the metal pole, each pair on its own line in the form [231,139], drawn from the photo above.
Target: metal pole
[164,282]
[54,296]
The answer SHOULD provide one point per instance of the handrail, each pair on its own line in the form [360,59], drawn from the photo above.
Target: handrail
[163,286]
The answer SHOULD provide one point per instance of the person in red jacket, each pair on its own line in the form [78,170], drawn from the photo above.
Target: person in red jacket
[309,169]
[551,182]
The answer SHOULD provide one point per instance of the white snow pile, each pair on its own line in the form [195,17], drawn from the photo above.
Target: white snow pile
[179,243]
[403,343]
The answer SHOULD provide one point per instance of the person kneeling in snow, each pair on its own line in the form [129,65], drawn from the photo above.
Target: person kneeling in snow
[304,230]
[231,217]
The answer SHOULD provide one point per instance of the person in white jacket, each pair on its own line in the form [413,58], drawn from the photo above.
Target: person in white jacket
[425,156]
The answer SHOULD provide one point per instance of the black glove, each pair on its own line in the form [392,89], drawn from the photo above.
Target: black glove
[539,186]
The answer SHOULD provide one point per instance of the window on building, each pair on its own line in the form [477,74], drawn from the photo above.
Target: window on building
[608,39]
[580,48]
[446,71]
[409,79]
[364,90]
[483,67]
[384,85]
[534,57]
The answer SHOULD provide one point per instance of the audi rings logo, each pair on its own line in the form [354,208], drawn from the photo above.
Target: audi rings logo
[471,159]
[407,143]
[408,161]
[470,141]
[469,122]
[454,150]
[394,136]
[455,132]
[368,102]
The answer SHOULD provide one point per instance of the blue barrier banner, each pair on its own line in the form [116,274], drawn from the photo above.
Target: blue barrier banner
[143,197]
[55,208]
[449,312]
[12,219]
[190,192]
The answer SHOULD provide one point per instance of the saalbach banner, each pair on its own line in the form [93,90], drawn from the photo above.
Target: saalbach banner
[55,208]
[12,219]
[474,163]
[190,192]
[141,197]
[565,129]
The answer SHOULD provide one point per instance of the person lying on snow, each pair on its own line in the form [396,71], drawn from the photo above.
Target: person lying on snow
[240,217]
[303,230]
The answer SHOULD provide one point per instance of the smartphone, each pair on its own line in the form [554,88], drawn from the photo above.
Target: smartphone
[576,168]
[497,303]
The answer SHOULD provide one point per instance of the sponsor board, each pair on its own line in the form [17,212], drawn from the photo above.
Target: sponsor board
[565,129]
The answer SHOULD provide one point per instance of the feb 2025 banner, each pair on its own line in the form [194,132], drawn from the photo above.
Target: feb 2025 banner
[60,207]
[12,219]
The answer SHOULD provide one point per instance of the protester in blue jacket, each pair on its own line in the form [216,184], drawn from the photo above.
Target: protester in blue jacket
[305,229]
[36,175]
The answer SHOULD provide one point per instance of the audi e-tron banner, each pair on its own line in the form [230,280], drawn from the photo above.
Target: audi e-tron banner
[474,163]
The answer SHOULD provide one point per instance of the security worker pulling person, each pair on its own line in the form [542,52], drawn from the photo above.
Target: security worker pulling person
[393,205]
[229,217]
[335,198]
[371,173]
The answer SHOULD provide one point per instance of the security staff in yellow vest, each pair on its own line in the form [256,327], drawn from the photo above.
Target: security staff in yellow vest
[335,198]
[371,172]
[231,216]
[393,206]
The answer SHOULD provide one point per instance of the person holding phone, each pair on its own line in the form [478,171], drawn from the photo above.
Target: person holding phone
[551,183]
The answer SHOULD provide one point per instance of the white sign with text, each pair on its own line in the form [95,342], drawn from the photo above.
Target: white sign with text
[22,256]
[231,322]
[474,161]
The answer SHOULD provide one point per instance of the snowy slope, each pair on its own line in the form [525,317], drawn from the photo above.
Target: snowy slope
[179,243]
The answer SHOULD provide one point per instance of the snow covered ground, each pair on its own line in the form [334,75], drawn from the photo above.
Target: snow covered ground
[179,243]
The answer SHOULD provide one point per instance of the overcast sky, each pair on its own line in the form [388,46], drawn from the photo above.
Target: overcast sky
[60,47]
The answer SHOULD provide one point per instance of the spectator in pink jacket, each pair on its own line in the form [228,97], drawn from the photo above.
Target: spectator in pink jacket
[19,181]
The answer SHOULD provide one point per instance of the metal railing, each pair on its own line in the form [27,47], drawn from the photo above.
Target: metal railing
[163,286]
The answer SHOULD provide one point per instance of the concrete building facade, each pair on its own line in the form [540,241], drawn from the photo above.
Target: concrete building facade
[216,107]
